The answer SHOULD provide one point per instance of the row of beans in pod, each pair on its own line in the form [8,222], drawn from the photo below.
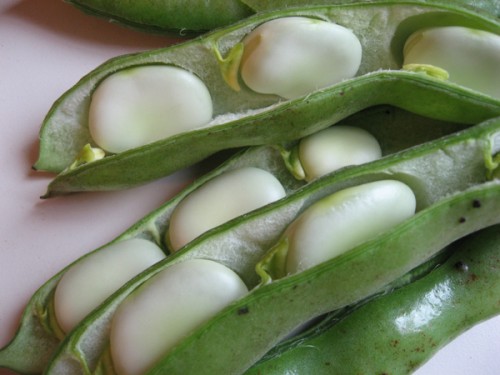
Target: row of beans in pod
[233,90]
[276,250]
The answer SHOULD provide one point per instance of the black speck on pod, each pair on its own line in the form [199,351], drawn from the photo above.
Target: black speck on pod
[461,266]
[462,220]
[243,310]
[476,203]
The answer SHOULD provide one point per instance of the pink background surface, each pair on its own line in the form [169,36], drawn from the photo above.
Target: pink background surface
[45,47]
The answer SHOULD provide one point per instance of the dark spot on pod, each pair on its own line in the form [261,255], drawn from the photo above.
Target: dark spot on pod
[476,203]
[341,93]
[461,266]
[473,277]
[412,365]
[243,310]
[462,220]
[394,343]
[327,363]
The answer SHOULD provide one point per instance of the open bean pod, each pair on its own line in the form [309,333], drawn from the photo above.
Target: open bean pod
[39,328]
[410,326]
[196,16]
[449,178]
[40,333]
[246,117]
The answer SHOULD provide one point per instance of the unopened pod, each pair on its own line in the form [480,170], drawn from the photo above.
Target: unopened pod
[412,322]
[174,16]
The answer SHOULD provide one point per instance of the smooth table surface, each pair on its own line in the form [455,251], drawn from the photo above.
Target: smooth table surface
[46,47]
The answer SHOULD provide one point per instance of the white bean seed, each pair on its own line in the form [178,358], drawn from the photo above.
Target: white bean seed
[137,106]
[336,147]
[166,309]
[471,57]
[90,281]
[346,219]
[294,56]
[221,199]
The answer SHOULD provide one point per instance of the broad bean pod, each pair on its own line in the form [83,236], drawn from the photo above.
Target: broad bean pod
[449,178]
[39,328]
[245,117]
[195,16]
[411,323]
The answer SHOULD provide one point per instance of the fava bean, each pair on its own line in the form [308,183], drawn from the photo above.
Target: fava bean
[167,308]
[279,58]
[137,106]
[334,148]
[246,117]
[225,197]
[339,222]
[471,57]
[86,285]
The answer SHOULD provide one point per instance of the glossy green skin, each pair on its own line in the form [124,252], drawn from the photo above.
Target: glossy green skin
[491,7]
[167,15]
[196,16]
[383,122]
[258,321]
[396,333]
[382,28]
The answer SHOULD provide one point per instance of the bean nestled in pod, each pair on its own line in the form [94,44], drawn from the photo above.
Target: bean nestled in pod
[140,105]
[334,148]
[470,57]
[341,221]
[223,198]
[168,307]
[89,282]
[293,56]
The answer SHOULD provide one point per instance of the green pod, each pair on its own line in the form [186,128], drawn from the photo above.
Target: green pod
[435,171]
[398,332]
[196,16]
[269,313]
[243,118]
[165,15]
[39,334]
[39,328]
[490,7]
